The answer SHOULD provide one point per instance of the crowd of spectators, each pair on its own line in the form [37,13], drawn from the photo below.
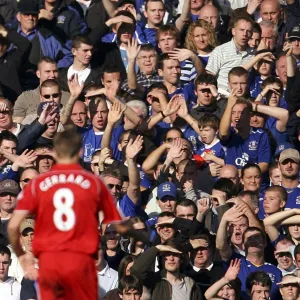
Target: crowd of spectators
[189,111]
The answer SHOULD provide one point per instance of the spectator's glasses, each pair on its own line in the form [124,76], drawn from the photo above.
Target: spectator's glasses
[26,180]
[117,186]
[54,96]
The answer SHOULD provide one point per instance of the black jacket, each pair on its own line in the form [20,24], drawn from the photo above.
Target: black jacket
[10,66]
[67,22]
[8,10]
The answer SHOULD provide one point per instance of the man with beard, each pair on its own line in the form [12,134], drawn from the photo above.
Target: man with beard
[289,166]
[255,242]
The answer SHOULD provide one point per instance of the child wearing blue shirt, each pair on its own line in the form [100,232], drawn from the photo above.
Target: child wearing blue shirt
[212,150]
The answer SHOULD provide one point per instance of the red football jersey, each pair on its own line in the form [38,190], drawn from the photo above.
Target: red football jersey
[66,202]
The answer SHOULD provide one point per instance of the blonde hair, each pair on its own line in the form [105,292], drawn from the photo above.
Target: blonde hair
[189,39]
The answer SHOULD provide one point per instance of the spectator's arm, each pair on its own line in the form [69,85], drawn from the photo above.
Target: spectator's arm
[153,158]
[114,115]
[185,16]
[231,215]
[132,149]
[281,114]
[225,123]
[271,222]
[132,52]
[109,7]
[253,61]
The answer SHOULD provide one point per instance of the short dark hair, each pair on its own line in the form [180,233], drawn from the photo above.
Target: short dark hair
[253,196]
[112,172]
[249,166]
[147,47]
[272,80]
[206,78]
[8,136]
[227,186]
[209,120]
[166,214]
[50,83]
[251,229]
[279,189]
[173,129]
[128,283]
[246,102]
[5,250]
[256,28]
[81,39]
[157,85]
[187,203]
[258,278]
[46,59]
[238,71]
[162,58]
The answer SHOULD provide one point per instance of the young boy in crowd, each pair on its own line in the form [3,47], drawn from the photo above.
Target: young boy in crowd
[212,150]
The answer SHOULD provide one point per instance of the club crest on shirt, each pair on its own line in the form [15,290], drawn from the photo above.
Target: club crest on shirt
[298,200]
[61,19]
[253,145]
[272,277]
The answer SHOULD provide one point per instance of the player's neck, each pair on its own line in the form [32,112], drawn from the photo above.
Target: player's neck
[67,161]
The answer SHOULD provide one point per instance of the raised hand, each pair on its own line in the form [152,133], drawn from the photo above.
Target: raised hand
[182,111]
[26,159]
[3,107]
[133,49]
[115,113]
[165,248]
[187,186]
[111,91]
[233,97]
[104,154]
[168,221]
[48,114]
[134,147]
[176,149]
[45,14]
[74,86]
[119,19]
[233,215]
[97,92]
[181,54]
[233,270]
[27,262]
[288,48]
[172,106]
[252,6]
[203,205]
[268,56]
[198,243]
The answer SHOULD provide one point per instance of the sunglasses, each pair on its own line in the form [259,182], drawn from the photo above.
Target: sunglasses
[111,186]
[55,95]
[26,180]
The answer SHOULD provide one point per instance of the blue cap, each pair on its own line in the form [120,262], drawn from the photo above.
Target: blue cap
[166,189]
[283,146]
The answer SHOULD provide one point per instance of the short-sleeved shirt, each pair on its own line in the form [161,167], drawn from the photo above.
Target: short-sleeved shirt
[91,141]
[66,201]
[130,209]
[254,149]
[223,59]
[293,198]
[247,267]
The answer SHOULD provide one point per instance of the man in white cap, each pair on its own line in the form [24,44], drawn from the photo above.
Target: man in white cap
[289,166]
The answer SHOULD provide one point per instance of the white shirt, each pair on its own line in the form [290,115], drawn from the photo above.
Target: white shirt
[208,268]
[10,289]
[107,280]
[82,75]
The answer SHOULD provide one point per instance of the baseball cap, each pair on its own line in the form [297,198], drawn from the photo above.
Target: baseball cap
[9,186]
[283,146]
[28,7]
[166,189]
[295,32]
[42,106]
[292,154]
[27,223]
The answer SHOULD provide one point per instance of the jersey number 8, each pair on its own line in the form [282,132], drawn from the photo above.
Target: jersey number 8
[64,217]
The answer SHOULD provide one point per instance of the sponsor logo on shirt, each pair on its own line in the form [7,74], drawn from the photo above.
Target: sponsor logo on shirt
[242,161]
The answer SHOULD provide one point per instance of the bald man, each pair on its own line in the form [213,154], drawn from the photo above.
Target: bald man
[211,14]
[270,10]
[230,172]
[79,114]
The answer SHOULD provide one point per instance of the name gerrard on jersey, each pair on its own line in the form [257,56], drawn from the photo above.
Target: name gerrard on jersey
[50,181]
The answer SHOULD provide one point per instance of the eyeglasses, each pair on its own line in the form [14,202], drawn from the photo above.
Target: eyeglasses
[55,95]
[26,180]
[147,57]
[117,186]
